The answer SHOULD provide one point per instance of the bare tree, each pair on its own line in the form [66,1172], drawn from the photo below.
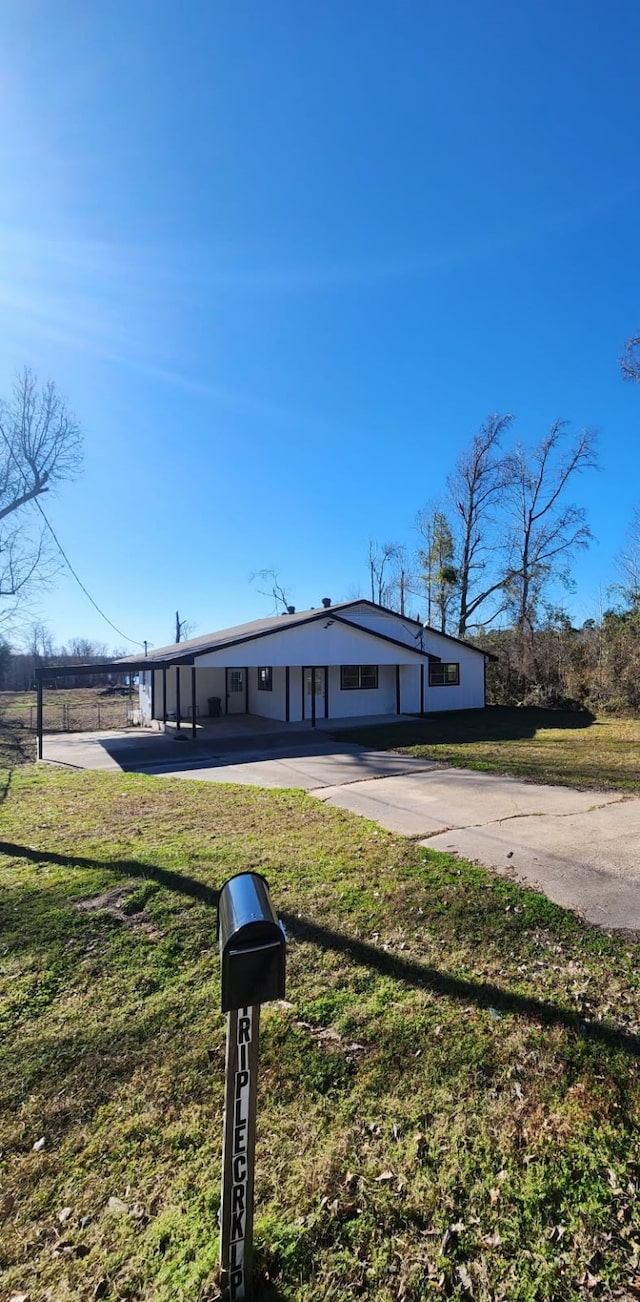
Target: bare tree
[545,531]
[40,446]
[630,360]
[476,490]
[184,628]
[401,583]
[275,590]
[382,557]
[40,641]
[628,565]
[85,649]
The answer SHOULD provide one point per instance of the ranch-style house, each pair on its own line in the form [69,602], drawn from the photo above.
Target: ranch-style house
[349,660]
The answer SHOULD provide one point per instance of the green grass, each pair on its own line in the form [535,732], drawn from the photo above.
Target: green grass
[449,1098]
[566,748]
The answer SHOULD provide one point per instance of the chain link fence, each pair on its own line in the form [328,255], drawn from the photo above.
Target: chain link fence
[90,717]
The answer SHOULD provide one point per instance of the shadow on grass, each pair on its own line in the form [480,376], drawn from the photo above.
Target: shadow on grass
[5,785]
[483,994]
[455,727]
[17,747]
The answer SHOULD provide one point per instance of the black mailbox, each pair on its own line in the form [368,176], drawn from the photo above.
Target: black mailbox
[252,944]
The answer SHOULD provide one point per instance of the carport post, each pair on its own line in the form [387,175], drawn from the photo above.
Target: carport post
[39,712]
[164,697]
[313,696]
[422,687]
[397,689]
[193,702]
[177,698]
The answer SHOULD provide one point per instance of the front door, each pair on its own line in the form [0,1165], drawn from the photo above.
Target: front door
[314,692]
[236,697]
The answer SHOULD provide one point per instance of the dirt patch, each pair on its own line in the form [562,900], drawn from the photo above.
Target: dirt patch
[331,1039]
[116,902]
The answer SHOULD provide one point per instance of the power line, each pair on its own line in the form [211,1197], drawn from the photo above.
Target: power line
[78,580]
[66,560]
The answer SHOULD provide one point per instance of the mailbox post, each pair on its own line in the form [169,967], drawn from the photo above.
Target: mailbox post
[252,955]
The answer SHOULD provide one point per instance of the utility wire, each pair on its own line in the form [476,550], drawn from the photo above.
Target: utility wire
[78,580]
[66,560]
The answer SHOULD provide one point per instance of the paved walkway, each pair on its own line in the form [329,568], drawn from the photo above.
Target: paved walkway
[582,848]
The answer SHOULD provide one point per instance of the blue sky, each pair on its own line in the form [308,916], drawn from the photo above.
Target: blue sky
[284,259]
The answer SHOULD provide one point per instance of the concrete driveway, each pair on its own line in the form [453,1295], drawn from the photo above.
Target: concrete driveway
[582,848]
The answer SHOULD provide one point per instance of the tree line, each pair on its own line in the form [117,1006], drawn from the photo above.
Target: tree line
[18,665]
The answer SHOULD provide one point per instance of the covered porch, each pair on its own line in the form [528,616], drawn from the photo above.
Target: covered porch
[191,697]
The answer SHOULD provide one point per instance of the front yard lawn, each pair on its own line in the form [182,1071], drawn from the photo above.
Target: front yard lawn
[571,749]
[449,1097]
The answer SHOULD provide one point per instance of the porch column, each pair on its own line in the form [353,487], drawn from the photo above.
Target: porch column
[153,693]
[226,690]
[193,702]
[326,691]
[397,689]
[422,687]
[246,690]
[302,671]
[287,693]
[177,698]
[164,697]
[313,696]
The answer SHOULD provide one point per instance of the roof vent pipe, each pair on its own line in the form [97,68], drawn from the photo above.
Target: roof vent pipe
[291,610]
[326,601]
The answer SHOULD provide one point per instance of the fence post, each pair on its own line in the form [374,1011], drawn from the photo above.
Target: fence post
[40,716]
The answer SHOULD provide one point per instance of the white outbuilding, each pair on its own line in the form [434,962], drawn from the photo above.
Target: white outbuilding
[344,661]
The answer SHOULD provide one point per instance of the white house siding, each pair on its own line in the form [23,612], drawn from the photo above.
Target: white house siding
[322,642]
[410,687]
[470,693]
[209,682]
[144,687]
[295,694]
[273,704]
[385,621]
[352,704]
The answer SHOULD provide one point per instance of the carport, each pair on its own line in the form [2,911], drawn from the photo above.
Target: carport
[130,666]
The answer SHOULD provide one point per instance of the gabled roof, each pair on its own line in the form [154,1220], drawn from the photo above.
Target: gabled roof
[185,652]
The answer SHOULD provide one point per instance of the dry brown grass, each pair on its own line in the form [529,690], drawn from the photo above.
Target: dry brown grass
[80,709]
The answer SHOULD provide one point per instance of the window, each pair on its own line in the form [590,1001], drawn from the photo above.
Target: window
[355,678]
[265,679]
[236,680]
[444,675]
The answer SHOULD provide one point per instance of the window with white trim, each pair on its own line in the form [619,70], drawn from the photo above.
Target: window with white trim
[358,678]
[443,674]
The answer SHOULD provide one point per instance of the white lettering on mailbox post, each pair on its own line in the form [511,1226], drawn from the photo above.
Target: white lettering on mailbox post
[236,1223]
